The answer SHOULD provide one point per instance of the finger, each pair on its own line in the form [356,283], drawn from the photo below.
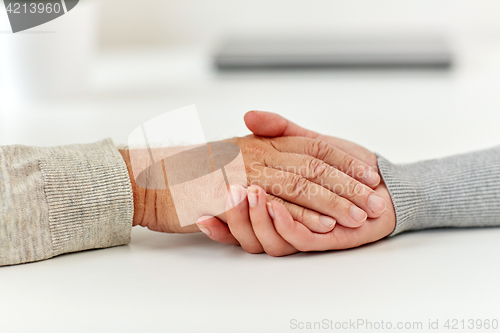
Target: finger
[270,124]
[330,155]
[320,173]
[238,220]
[353,149]
[297,234]
[298,190]
[216,230]
[339,238]
[313,220]
[263,227]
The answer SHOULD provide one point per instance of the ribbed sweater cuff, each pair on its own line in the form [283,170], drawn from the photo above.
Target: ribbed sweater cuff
[89,197]
[458,191]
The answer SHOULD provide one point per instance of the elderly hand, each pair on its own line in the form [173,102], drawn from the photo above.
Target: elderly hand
[286,235]
[304,172]
[310,173]
[268,124]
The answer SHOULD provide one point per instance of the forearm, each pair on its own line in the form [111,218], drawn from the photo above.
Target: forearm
[458,191]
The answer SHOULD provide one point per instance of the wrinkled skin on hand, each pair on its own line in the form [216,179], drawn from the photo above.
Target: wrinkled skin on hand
[303,172]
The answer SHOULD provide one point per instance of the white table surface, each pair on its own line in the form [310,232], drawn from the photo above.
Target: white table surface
[187,283]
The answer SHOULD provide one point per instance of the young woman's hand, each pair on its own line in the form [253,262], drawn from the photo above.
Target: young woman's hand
[260,226]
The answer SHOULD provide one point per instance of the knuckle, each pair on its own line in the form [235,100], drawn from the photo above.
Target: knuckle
[316,169]
[354,240]
[253,149]
[272,197]
[273,142]
[254,171]
[319,149]
[349,164]
[253,249]
[297,212]
[303,247]
[355,189]
[275,252]
[296,185]
[254,152]
[250,168]
[334,201]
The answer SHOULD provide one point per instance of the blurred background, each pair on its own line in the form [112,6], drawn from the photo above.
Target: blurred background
[109,65]
[188,21]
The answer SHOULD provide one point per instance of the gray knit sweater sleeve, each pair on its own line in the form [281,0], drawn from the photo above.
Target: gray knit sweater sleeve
[458,191]
[62,199]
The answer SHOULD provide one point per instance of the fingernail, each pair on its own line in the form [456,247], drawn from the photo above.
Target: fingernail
[235,196]
[376,203]
[203,218]
[270,210]
[252,196]
[327,221]
[370,177]
[357,214]
[205,230]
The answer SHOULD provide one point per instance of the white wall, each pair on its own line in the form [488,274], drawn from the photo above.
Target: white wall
[173,21]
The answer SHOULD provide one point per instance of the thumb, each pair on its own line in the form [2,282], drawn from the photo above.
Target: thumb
[216,230]
[270,124]
[273,125]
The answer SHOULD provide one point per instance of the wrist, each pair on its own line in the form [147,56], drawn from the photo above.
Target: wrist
[139,193]
[154,208]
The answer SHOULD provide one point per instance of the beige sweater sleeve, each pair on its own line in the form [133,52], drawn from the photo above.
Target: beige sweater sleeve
[62,199]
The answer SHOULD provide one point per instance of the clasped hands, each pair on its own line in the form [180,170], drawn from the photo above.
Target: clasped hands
[306,192]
